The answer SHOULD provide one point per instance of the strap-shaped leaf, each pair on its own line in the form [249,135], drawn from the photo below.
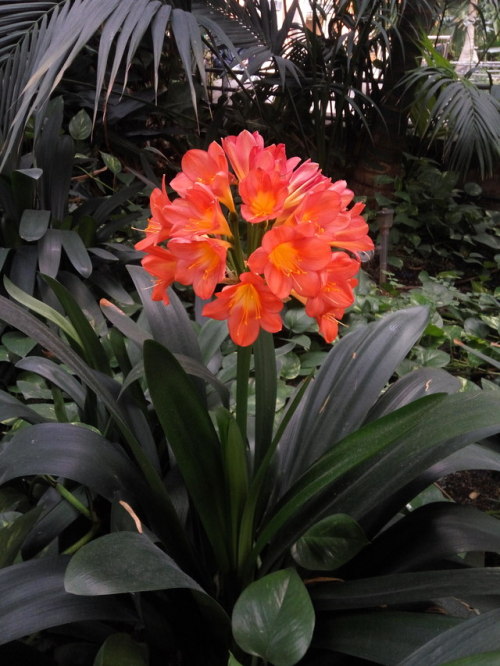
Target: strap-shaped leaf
[412,386]
[191,434]
[406,588]
[480,634]
[56,374]
[384,637]
[347,386]
[91,345]
[71,451]
[170,325]
[383,457]
[427,535]
[265,394]
[32,598]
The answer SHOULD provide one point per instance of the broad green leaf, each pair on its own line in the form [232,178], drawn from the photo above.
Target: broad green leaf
[80,126]
[274,618]
[34,223]
[72,452]
[191,434]
[112,162]
[348,384]
[122,650]
[381,458]
[329,544]
[17,343]
[406,588]
[383,637]
[163,516]
[477,635]
[428,535]
[123,562]
[412,386]
[32,598]
[76,252]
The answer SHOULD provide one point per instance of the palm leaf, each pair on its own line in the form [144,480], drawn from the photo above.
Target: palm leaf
[39,41]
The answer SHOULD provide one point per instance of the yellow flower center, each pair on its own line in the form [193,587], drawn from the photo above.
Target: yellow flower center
[286,257]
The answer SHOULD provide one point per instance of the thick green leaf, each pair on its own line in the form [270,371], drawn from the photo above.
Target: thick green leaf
[124,562]
[401,588]
[164,518]
[73,452]
[479,634]
[34,223]
[274,618]
[382,637]
[32,598]
[412,386]
[39,307]
[347,386]
[170,325]
[481,659]
[91,346]
[381,458]
[17,343]
[329,544]
[427,535]
[265,394]
[123,650]
[458,420]
[354,450]
[13,535]
[80,126]
[56,374]
[235,463]
[193,439]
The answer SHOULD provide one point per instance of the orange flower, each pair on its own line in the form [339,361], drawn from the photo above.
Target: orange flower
[328,324]
[240,148]
[199,212]
[208,167]
[263,194]
[354,235]
[200,262]
[290,261]
[161,264]
[159,227]
[337,285]
[248,306]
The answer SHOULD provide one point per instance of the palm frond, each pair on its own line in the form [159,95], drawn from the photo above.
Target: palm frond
[40,40]
[467,119]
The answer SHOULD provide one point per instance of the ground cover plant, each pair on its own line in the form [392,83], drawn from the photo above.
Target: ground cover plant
[148,499]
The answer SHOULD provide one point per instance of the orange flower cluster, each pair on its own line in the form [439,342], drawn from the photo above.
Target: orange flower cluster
[284,242]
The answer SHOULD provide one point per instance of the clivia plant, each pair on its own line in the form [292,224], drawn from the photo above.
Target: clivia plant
[161,521]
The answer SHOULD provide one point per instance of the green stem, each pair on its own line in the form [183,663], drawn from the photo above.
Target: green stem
[71,499]
[85,539]
[244,356]
[237,252]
